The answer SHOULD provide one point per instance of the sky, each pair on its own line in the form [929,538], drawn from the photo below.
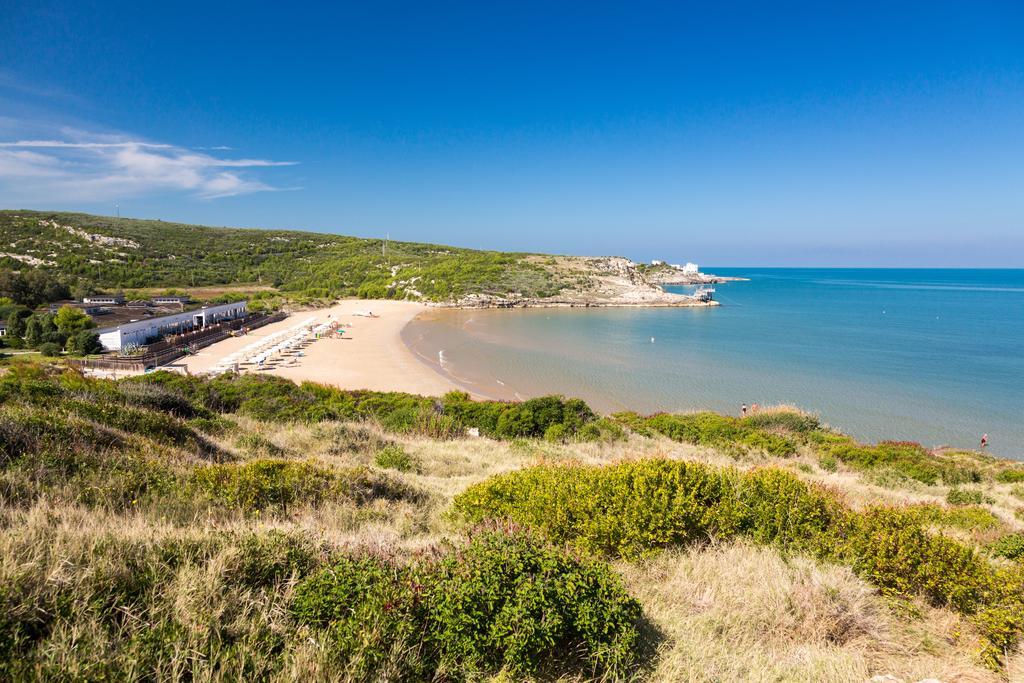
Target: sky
[728,133]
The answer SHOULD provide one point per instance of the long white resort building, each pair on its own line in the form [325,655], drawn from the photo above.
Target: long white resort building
[140,332]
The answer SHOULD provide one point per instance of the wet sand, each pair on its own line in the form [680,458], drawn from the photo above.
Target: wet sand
[371,354]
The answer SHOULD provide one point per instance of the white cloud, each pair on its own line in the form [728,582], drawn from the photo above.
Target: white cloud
[96,167]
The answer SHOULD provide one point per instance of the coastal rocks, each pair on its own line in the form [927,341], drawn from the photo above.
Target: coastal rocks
[587,282]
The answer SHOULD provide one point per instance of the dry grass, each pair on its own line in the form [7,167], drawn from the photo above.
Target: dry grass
[742,613]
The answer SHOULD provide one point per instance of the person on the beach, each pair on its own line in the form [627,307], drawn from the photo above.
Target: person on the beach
[984,440]
[743,410]
[753,408]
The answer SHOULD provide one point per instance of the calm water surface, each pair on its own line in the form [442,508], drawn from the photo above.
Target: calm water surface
[930,355]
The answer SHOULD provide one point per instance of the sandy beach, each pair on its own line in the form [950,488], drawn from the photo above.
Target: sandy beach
[371,354]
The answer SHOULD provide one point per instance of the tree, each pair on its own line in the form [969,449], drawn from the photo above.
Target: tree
[84,342]
[32,288]
[41,329]
[16,324]
[70,320]
[33,331]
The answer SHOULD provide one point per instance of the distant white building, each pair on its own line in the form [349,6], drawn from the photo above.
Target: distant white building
[656,262]
[140,332]
[171,300]
[690,269]
[104,299]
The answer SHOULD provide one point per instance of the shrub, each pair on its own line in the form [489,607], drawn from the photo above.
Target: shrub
[265,559]
[556,433]
[783,419]
[354,439]
[49,349]
[508,602]
[634,422]
[503,601]
[828,463]
[1010,546]
[627,510]
[370,613]
[633,508]
[891,549]
[958,496]
[214,426]
[394,457]
[156,397]
[711,429]
[1011,475]
[967,517]
[279,484]
[603,430]
[905,458]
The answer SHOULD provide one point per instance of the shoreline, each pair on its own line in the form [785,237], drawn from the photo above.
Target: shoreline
[370,355]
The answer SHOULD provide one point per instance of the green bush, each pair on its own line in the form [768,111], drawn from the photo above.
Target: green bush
[634,508]
[967,517]
[279,484]
[626,510]
[508,602]
[604,430]
[634,422]
[1010,546]
[787,420]
[275,399]
[266,559]
[556,433]
[49,349]
[892,550]
[721,431]
[828,463]
[394,457]
[958,496]
[906,458]
[1011,475]
[500,602]
[353,439]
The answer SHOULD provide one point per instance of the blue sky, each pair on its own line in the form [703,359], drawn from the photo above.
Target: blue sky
[728,133]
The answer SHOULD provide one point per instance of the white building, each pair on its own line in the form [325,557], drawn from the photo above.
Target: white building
[656,262]
[171,300]
[140,332]
[690,269]
[104,299]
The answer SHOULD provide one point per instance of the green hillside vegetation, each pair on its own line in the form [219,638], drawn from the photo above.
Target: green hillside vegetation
[167,527]
[104,253]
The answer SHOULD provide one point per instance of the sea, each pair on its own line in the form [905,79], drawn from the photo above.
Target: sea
[935,356]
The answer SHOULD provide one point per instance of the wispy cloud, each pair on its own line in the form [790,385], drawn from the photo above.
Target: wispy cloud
[100,167]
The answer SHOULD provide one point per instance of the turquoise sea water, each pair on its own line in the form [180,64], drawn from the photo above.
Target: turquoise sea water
[935,356]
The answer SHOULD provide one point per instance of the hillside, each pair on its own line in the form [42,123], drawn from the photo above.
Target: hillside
[247,528]
[96,252]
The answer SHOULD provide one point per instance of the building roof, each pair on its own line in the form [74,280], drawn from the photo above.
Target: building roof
[125,316]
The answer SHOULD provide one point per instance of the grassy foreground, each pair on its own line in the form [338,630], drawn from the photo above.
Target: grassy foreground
[168,528]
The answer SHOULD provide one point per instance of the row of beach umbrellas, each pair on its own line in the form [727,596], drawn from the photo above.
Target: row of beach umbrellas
[260,350]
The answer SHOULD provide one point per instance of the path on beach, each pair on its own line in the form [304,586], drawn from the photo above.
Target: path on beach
[371,354]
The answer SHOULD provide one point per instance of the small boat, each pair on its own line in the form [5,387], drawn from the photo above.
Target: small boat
[704,293]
